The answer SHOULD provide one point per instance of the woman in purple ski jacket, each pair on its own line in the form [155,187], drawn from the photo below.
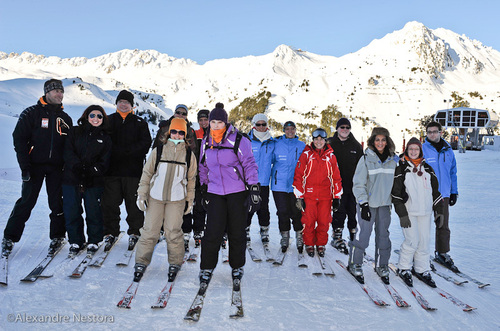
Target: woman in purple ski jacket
[230,189]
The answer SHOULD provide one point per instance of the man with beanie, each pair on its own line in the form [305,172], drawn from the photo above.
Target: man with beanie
[440,157]
[39,138]
[262,148]
[348,151]
[131,140]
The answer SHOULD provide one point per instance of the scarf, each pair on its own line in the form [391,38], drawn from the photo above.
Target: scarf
[262,136]
[217,135]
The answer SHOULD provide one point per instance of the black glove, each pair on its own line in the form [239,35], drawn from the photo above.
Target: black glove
[365,212]
[336,205]
[405,222]
[204,196]
[300,204]
[25,175]
[453,199]
[254,199]
[405,197]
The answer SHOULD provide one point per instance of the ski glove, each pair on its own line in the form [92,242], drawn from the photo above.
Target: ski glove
[336,205]
[365,212]
[300,204]
[453,199]
[204,196]
[142,204]
[25,175]
[404,221]
[254,199]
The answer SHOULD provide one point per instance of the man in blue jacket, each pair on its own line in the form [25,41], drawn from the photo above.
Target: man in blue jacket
[440,156]
[287,150]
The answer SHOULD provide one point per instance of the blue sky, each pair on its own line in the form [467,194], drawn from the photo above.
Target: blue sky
[207,30]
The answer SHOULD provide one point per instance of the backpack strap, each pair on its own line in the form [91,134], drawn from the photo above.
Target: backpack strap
[159,150]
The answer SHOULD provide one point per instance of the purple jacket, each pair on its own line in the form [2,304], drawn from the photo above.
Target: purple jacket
[221,169]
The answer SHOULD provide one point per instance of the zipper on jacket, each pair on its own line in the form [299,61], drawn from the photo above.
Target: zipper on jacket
[239,175]
[51,116]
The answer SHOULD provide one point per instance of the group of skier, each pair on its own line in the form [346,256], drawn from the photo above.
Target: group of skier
[212,181]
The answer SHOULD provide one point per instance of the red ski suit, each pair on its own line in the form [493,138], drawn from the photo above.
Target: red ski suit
[317,180]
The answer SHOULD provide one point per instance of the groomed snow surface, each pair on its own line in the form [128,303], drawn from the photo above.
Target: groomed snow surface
[274,297]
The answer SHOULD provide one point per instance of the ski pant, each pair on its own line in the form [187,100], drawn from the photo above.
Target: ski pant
[29,195]
[381,218]
[443,233]
[117,189]
[225,212]
[415,248]
[316,219]
[195,221]
[347,209]
[72,205]
[286,210]
[263,213]
[169,215]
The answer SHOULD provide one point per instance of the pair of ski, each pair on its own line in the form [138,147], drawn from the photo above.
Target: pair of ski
[38,270]
[267,252]
[459,273]
[4,269]
[319,266]
[194,311]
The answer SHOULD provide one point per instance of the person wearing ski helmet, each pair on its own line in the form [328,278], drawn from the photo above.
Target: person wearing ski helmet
[317,185]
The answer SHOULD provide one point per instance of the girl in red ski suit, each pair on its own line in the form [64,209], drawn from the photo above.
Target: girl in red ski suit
[317,181]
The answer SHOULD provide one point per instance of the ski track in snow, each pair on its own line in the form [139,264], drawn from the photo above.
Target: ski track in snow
[274,297]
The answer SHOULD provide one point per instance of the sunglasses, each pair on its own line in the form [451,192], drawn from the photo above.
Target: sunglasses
[181,113]
[433,132]
[260,124]
[173,131]
[345,127]
[99,116]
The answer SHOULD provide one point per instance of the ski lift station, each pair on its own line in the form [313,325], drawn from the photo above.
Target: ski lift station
[472,128]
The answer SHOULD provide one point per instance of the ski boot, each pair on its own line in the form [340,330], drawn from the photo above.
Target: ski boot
[7,245]
[74,249]
[285,240]
[321,250]
[339,243]
[264,234]
[357,271]
[139,269]
[197,238]
[237,274]
[310,251]
[405,275]
[205,276]
[186,241]
[299,240]
[173,269]
[55,244]
[247,229]
[446,261]
[383,272]
[109,240]
[92,248]
[224,241]
[132,240]
[425,277]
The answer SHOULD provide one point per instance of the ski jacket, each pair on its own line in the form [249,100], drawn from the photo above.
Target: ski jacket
[262,152]
[131,141]
[285,155]
[444,165]
[40,134]
[172,181]
[421,191]
[347,153]
[224,170]
[190,135]
[89,149]
[373,179]
[317,175]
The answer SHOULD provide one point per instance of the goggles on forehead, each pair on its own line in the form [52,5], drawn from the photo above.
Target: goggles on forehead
[319,133]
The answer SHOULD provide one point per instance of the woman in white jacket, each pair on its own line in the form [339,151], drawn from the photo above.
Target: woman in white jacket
[415,195]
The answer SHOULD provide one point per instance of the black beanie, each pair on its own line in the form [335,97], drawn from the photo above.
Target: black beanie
[342,121]
[52,84]
[203,113]
[218,113]
[125,95]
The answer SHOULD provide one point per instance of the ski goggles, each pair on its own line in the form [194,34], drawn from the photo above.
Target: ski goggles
[319,133]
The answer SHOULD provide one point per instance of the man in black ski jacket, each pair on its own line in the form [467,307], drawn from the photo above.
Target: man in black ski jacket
[39,138]
[131,140]
[348,152]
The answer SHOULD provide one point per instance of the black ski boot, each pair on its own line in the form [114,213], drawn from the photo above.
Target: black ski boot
[446,261]
[186,242]
[321,250]
[264,234]
[197,238]
[109,240]
[338,243]
[237,274]
[92,248]
[405,275]
[55,244]
[173,269]
[132,241]
[285,240]
[299,241]
[205,276]
[310,251]
[7,246]
[139,271]
[247,229]
[425,277]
